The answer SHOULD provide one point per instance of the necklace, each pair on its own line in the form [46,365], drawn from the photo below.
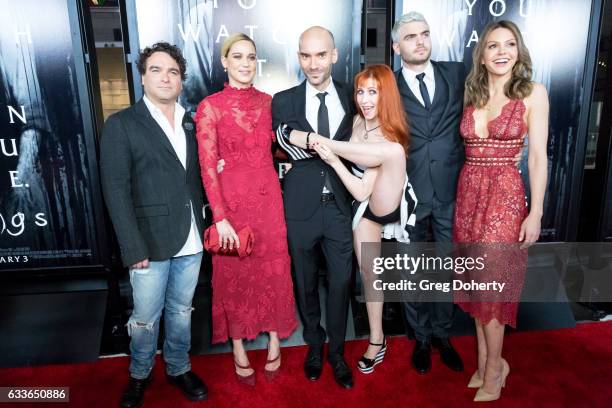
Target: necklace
[368,130]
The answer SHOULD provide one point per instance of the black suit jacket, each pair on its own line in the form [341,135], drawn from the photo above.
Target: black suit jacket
[146,188]
[436,152]
[303,184]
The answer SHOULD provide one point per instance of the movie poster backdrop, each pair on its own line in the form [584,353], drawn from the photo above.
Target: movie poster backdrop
[47,180]
[556,33]
[199,28]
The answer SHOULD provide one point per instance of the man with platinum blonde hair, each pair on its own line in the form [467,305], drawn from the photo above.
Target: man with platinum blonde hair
[432,95]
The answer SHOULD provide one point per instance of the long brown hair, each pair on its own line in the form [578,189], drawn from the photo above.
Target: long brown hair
[391,114]
[477,83]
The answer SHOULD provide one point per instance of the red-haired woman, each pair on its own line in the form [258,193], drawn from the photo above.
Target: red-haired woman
[385,200]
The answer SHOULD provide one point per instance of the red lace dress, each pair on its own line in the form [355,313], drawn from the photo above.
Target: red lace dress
[252,294]
[489,211]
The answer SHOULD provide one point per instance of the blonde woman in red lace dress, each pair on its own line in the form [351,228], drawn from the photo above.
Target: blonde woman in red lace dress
[502,106]
[253,294]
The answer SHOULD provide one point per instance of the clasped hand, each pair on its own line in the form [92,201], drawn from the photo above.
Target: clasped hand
[326,154]
[227,235]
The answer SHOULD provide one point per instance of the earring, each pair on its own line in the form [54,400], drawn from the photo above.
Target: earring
[224,69]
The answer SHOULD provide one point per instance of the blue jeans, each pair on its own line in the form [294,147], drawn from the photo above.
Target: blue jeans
[165,285]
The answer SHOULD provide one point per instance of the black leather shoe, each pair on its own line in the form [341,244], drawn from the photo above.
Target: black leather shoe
[190,385]
[133,396]
[313,365]
[421,357]
[449,356]
[342,373]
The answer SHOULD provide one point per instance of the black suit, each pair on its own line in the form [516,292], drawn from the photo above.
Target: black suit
[146,188]
[311,222]
[434,161]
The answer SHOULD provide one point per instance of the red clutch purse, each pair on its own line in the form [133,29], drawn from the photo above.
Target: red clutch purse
[245,235]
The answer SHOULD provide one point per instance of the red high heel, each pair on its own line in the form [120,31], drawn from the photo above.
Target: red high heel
[272,374]
[248,379]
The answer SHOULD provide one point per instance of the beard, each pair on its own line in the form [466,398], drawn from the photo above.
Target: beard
[413,60]
[322,76]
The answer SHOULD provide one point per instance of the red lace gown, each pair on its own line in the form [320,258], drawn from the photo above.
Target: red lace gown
[489,211]
[252,294]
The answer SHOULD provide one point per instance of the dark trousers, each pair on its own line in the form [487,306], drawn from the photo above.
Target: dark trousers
[331,230]
[431,318]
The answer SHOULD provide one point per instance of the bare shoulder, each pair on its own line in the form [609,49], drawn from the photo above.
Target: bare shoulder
[538,99]
[358,129]
[538,94]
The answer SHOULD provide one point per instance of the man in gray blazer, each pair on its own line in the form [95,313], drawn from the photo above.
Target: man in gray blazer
[432,95]
[153,191]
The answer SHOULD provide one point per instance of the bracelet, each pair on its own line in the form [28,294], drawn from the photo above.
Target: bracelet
[308,140]
[286,130]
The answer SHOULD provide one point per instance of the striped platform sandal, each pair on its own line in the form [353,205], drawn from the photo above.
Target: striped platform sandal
[366,365]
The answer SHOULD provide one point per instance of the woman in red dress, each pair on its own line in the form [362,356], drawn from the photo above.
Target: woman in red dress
[502,105]
[253,294]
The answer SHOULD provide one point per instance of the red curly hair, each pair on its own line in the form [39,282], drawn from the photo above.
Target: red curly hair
[390,110]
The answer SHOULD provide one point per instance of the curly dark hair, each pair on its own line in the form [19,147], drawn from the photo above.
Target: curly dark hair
[171,50]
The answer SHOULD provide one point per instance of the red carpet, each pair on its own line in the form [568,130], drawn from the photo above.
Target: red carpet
[560,368]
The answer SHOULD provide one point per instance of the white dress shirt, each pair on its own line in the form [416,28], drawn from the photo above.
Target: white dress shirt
[335,111]
[413,82]
[177,138]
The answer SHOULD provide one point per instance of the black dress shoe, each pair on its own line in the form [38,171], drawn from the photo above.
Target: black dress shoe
[342,373]
[190,385]
[313,365]
[421,357]
[133,396]
[449,356]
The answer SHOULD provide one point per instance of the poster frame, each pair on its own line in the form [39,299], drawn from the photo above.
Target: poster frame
[566,225]
[85,92]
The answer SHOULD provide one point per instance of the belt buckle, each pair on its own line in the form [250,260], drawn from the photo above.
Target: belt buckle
[326,197]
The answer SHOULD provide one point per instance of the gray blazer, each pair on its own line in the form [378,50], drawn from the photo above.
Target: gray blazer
[146,188]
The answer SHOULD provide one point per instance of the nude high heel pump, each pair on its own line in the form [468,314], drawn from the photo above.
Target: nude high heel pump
[476,381]
[483,396]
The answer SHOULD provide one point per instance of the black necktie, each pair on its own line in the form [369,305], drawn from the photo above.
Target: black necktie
[322,116]
[423,89]
[323,129]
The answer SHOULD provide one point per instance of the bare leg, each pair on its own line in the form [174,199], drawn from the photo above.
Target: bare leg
[364,154]
[387,191]
[388,156]
[390,160]
[273,351]
[240,357]
[482,348]
[494,337]
[369,232]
